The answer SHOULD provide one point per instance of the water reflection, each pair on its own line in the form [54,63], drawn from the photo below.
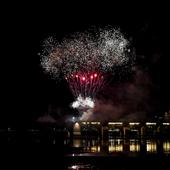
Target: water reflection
[112,145]
[88,145]
[77,143]
[166,146]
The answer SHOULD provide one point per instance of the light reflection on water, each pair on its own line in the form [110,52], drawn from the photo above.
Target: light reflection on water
[77,143]
[121,145]
[166,146]
[92,145]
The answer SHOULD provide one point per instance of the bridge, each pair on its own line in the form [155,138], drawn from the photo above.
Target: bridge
[122,129]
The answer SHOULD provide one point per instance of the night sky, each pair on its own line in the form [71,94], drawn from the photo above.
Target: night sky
[29,92]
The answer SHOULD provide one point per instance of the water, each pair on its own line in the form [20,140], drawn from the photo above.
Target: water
[118,145]
[54,149]
[118,153]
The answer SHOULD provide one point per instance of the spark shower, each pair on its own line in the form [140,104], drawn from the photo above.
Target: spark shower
[84,61]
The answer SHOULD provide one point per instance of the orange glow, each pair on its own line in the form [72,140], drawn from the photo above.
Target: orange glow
[166,147]
[134,146]
[115,145]
[76,143]
[151,146]
[115,123]
[77,125]
[95,149]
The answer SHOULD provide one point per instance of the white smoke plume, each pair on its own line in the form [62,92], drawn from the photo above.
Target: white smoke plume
[129,101]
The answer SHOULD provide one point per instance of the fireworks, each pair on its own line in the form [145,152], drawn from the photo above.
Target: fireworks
[81,102]
[84,60]
[112,46]
[85,52]
[86,83]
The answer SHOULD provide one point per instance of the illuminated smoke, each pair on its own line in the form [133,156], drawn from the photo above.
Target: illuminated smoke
[83,102]
[86,115]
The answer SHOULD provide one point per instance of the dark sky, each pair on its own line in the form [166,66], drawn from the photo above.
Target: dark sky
[28,91]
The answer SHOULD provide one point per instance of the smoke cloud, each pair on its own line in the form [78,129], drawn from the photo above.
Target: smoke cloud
[46,119]
[87,115]
[126,101]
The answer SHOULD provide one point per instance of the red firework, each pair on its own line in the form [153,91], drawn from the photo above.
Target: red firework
[86,84]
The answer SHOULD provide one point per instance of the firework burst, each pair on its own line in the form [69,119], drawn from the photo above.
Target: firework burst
[84,60]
